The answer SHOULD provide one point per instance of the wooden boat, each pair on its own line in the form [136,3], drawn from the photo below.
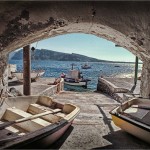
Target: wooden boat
[34,75]
[29,119]
[74,78]
[133,116]
[76,82]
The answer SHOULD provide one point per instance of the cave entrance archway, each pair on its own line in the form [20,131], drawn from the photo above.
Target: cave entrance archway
[119,22]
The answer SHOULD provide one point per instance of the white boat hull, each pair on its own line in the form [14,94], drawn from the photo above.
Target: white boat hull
[34,75]
[76,83]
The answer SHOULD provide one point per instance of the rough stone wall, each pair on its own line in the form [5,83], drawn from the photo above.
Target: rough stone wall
[145,81]
[59,87]
[102,86]
[125,23]
[3,78]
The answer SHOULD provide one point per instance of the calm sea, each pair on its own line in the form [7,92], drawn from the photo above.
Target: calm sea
[55,68]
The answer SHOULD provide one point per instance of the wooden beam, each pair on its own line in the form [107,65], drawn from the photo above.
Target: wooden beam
[26,70]
[136,70]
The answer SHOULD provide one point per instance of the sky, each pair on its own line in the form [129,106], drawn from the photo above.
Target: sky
[86,44]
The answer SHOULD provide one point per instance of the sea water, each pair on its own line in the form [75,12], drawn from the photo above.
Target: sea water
[55,68]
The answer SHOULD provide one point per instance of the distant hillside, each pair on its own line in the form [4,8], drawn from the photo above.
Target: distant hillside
[45,54]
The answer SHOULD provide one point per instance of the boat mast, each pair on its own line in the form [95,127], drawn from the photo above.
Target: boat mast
[72,66]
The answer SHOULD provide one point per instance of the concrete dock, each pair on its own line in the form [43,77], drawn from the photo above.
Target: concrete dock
[93,127]
[36,87]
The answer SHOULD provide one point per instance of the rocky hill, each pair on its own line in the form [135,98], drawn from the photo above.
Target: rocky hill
[45,54]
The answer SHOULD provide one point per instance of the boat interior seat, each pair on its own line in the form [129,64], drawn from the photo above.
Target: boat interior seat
[136,112]
[12,114]
[48,102]
[36,108]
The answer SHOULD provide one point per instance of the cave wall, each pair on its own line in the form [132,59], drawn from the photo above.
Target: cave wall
[125,23]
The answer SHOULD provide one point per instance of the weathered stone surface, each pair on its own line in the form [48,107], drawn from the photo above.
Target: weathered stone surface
[125,23]
[107,87]
[3,81]
[119,88]
[145,81]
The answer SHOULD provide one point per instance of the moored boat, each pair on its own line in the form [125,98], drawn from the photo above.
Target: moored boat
[75,82]
[86,66]
[34,75]
[29,119]
[75,78]
[133,117]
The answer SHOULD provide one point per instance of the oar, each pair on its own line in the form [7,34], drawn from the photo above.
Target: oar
[6,124]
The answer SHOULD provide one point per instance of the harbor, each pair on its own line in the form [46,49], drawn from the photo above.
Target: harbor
[95,107]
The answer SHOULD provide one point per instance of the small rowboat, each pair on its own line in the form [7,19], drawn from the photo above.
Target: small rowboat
[133,117]
[34,75]
[29,119]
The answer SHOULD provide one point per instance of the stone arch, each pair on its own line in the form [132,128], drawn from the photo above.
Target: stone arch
[87,28]
[120,22]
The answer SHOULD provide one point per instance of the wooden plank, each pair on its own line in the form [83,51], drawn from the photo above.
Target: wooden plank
[36,108]
[23,123]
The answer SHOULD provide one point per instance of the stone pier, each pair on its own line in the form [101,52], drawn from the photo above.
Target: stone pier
[118,88]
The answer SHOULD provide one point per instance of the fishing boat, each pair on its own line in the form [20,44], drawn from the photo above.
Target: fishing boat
[75,78]
[133,116]
[86,66]
[34,120]
[76,82]
[34,75]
